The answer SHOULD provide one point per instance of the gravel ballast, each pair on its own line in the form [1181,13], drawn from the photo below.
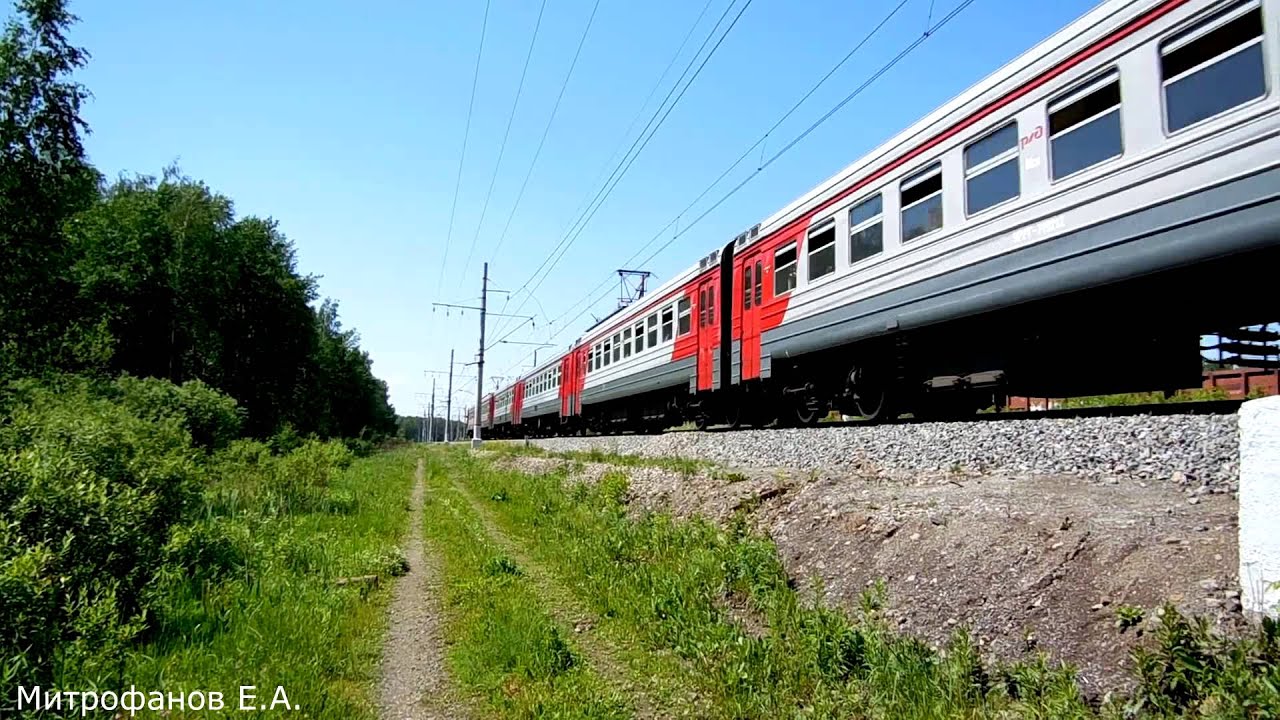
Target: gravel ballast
[1193,450]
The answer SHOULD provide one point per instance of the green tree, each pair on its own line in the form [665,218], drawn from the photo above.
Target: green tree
[351,401]
[154,277]
[191,292]
[44,179]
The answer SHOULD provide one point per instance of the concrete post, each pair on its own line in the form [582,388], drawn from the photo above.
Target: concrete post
[1260,506]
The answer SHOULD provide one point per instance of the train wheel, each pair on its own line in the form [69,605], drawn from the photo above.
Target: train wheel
[733,413]
[871,397]
[805,412]
[701,422]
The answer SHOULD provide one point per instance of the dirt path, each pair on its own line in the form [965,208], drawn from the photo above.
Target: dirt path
[414,685]
[653,695]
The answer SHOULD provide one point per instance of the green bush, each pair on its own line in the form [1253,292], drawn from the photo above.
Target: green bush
[89,493]
[211,417]
[246,476]
[301,479]
[210,549]
[1191,667]
[501,565]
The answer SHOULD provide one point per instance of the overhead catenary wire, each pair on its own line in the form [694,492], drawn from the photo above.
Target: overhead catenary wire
[760,143]
[547,129]
[814,126]
[607,191]
[466,135]
[911,47]
[651,128]
[621,140]
[613,156]
[502,148]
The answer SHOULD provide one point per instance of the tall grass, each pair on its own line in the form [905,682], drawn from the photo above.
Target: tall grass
[270,614]
[684,466]
[720,600]
[503,644]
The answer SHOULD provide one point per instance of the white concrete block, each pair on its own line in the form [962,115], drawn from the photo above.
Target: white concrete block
[1260,506]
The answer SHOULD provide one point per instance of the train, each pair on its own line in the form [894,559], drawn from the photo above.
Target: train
[1099,203]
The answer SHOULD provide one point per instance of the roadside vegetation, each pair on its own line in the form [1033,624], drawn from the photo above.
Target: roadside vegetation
[181,418]
[143,543]
[756,646]
[1154,398]
[684,466]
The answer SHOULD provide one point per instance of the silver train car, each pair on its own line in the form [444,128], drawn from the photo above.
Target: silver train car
[1071,225]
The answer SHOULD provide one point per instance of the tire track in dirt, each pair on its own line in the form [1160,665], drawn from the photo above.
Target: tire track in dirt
[414,683]
[651,697]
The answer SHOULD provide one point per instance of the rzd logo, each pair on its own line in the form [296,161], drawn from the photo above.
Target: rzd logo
[1031,137]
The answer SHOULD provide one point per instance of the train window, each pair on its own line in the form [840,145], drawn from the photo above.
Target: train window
[866,229]
[1084,127]
[617,347]
[922,202]
[652,322]
[1213,66]
[702,308]
[784,270]
[667,323]
[991,170]
[746,287]
[608,350]
[683,317]
[626,343]
[711,305]
[759,281]
[822,250]
[639,332]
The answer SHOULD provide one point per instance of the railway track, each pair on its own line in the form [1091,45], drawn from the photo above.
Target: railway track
[1201,407]
[1194,444]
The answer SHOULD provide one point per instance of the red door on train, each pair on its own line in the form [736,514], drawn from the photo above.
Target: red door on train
[579,379]
[568,383]
[708,331]
[573,378]
[749,302]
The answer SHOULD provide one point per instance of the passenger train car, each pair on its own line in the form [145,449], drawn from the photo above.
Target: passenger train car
[1097,204]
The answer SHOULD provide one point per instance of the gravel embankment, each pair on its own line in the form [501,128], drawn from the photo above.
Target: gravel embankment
[1193,450]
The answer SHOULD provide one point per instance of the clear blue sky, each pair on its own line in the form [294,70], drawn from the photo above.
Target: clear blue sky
[344,121]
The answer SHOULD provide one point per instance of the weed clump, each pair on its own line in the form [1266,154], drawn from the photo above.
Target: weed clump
[501,565]
[1192,669]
